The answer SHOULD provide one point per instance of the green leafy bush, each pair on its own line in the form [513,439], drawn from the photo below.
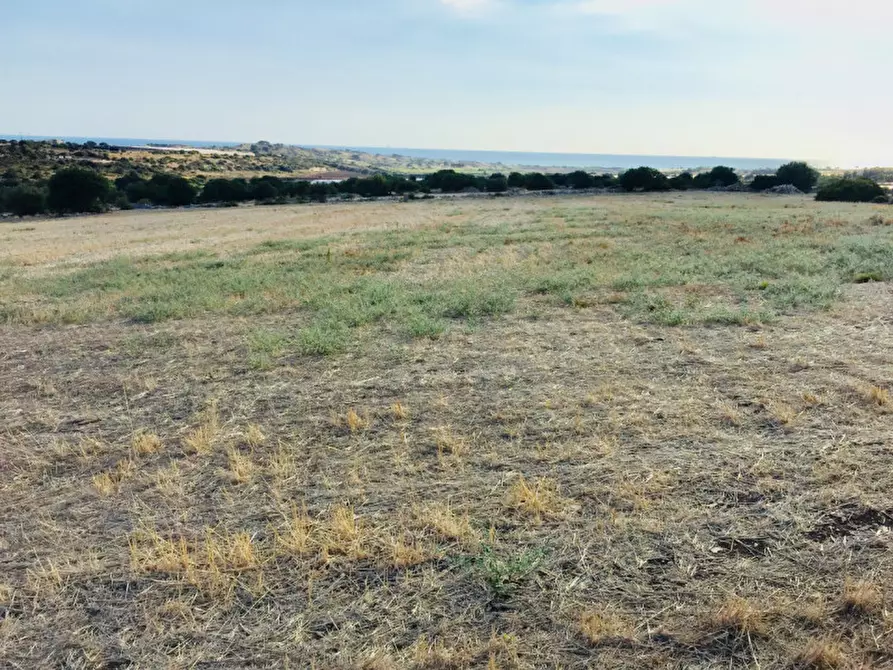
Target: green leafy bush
[798,174]
[25,201]
[644,179]
[850,189]
[78,189]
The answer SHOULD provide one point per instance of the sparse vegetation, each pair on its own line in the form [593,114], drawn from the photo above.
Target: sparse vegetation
[622,431]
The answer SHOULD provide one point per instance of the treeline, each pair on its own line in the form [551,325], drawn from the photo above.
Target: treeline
[80,189]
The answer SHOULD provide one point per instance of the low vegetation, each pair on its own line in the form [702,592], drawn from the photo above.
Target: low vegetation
[87,187]
[621,431]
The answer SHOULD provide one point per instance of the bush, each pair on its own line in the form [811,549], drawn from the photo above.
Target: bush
[605,181]
[516,180]
[723,176]
[77,190]
[798,174]
[644,179]
[537,181]
[450,181]
[225,190]
[763,182]
[26,201]
[497,183]
[580,180]
[171,190]
[850,189]
[682,182]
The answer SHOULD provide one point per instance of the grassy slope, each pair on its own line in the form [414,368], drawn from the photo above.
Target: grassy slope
[539,435]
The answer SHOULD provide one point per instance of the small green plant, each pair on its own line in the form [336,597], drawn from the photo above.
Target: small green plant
[323,339]
[502,575]
[263,347]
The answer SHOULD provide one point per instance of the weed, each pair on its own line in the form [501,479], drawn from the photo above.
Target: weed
[502,575]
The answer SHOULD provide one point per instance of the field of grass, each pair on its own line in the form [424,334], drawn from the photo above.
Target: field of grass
[614,431]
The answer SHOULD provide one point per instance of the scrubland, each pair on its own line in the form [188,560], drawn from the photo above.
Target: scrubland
[614,432]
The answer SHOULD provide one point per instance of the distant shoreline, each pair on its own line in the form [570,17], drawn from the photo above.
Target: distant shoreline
[507,158]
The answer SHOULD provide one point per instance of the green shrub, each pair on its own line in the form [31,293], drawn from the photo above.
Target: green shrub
[580,179]
[537,181]
[77,189]
[850,189]
[497,183]
[516,180]
[682,182]
[644,179]
[763,182]
[225,190]
[719,176]
[26,201]
[798,174]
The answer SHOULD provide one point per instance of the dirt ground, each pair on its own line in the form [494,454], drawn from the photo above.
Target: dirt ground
[555,487]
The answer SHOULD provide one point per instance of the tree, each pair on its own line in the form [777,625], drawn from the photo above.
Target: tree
[580,179]
[682,182]
[171,190]
[77,190]
[723,176]
[225,190]
[516,180]
[798,174]
[450,181]
[497,183]
[850,189]
[537,181]
[644,179]
[26,201]
[763,182]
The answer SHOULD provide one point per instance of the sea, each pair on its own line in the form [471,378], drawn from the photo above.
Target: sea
[507,158]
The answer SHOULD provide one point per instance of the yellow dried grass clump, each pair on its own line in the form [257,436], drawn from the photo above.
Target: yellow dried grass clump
[600,626]
[539,499]
[145,443]
[201,439]
[820,655]
[446,523]
[241,467]
[738,616]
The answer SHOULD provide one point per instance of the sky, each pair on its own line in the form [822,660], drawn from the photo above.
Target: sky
[751,78]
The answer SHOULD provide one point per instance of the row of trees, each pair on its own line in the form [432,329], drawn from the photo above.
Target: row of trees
[78,189]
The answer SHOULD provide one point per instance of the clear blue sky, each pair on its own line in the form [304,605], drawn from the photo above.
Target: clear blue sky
[787,78]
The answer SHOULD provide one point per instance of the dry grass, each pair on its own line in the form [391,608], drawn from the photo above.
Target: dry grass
[878,396]
[604,627]
[201,439]
[535,500]
[145,443]
[861,598]
[738,618]
[820,655]
[563,479]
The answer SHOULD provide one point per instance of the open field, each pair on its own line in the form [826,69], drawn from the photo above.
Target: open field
[609,432]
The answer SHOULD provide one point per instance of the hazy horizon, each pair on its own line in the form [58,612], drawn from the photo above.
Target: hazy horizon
[645,77]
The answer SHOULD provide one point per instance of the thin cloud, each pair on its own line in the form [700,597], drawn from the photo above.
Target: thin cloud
[469,7]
